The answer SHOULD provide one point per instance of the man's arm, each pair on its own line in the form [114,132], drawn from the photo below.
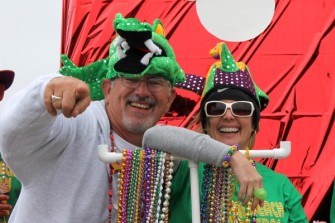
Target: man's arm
[31,131]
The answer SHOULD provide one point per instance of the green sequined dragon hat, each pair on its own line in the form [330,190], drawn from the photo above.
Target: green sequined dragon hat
[138,49]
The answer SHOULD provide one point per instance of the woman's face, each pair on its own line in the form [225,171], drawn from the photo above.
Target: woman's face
[230,129]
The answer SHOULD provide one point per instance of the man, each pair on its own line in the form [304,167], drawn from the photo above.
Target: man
[9,185]
[50,132]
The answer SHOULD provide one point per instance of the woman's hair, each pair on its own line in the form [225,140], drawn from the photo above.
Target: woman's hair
[195,123]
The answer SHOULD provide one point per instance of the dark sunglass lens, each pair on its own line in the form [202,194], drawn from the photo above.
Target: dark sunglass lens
[242,108]
[215,108]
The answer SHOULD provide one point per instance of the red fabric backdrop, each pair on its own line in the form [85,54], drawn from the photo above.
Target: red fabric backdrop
[292,61]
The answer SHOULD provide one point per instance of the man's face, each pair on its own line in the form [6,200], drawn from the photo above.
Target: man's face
[2,91]
[136,109]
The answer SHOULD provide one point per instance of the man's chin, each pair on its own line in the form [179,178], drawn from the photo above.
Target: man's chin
[138,125]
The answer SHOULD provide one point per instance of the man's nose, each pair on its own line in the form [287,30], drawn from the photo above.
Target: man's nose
[143,87]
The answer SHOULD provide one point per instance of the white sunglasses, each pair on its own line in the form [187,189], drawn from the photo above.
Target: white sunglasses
[237,108]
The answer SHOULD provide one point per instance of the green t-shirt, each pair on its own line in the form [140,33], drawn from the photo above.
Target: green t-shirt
[283,203]
[332,207]
[15,189]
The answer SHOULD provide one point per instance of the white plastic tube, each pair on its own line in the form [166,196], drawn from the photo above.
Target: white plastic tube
[108,157]
[195,192]
[276,153]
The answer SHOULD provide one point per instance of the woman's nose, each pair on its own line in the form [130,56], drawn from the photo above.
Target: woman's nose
[228,114]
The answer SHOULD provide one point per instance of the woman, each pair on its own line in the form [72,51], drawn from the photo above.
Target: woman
[230,113]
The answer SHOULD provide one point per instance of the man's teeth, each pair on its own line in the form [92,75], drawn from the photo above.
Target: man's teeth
[228,130]
[146,106]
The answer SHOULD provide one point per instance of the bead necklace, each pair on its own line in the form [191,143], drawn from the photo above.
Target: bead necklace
[218,189]
[138,189]
[167,185]
[133,183]
[121,183]
[145,175]
[5,182]
[112,170]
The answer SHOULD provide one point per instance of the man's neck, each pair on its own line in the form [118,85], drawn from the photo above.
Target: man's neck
[135,139]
